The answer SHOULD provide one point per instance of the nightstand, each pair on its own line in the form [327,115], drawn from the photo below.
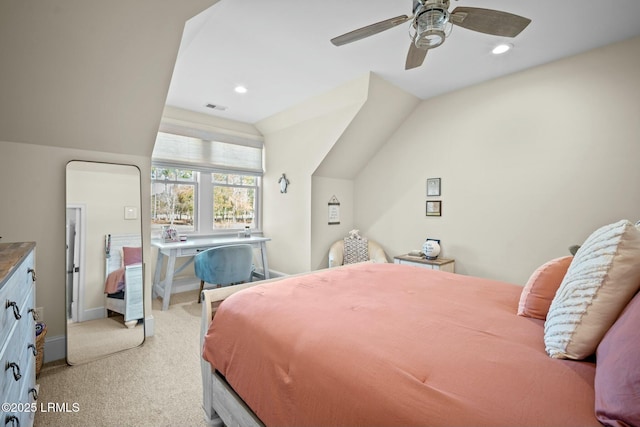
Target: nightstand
[442,264]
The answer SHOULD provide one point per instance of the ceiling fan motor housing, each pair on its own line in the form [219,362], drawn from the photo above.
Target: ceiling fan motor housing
[431,24]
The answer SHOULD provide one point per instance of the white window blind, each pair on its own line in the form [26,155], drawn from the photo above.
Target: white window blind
[196,153]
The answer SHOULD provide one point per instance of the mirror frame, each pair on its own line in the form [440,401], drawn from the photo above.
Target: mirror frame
[125,213]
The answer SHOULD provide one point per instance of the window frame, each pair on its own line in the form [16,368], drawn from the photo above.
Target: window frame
[257,187]
[203,197]
[206,150]
[194,182]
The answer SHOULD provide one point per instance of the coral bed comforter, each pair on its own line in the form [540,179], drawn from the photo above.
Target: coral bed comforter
[394,345]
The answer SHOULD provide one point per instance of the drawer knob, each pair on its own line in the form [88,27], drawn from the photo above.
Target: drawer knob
[15,370]
[16,309]
[33,274]
[11,420]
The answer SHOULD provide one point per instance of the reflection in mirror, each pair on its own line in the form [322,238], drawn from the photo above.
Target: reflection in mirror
[105,309]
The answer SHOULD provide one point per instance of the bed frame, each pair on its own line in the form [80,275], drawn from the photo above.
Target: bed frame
[222,405]
[131,307]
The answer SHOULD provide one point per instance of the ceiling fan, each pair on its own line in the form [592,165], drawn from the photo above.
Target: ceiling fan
[431,23]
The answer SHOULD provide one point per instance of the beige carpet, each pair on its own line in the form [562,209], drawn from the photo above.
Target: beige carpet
[156,384]
[90,340]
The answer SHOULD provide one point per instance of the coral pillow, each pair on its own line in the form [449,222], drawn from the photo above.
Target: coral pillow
[131,256]
[602,278]
[539,291]
[617,382]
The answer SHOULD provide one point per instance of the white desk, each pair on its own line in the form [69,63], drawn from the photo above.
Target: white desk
[190,248]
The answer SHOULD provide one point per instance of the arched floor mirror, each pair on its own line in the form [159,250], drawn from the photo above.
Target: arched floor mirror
[104,285]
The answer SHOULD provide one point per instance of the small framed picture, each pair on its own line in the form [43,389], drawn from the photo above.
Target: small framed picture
[434,208]
[433,187]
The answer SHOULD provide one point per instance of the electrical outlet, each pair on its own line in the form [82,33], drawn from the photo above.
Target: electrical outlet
[40,313]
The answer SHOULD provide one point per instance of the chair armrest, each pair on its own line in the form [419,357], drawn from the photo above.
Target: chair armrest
[336,254]
[376,253]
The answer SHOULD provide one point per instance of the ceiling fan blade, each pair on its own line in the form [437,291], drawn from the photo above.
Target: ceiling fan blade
[369,30]
[488,21]
[415,56]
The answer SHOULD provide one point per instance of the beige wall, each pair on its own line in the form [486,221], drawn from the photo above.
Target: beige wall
[79,80]
[92,74]
[530,164]
[33,209]
[321,145]
[322,191]
[296,151]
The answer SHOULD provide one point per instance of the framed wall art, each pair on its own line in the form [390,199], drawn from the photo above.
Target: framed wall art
[434,208]
[334,211]
[433,187]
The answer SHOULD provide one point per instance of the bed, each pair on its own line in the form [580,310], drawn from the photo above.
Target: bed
[397,345]
[123,277]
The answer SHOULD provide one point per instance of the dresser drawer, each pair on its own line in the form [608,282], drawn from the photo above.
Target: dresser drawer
[13,296]
[18,357]
[12,372]
[17,332]
[22,396]
[28,395]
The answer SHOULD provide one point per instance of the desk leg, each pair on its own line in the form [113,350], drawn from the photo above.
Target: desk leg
[168,279]
[156,275]
[265,266]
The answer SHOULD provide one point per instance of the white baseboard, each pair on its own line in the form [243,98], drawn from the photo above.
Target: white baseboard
[149,325]
[93,314]
[55,348]
[273,274]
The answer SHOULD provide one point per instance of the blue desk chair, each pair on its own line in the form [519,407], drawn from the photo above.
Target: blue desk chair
[224,266]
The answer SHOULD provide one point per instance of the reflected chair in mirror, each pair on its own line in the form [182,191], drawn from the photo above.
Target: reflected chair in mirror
[355,248]
[224,266]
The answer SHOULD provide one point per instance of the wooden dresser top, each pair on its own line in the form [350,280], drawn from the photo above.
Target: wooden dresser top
[12,254]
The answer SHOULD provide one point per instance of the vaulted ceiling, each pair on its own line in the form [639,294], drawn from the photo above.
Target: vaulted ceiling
[280,50]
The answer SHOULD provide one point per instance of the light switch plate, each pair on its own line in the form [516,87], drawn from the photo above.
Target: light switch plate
[130,212]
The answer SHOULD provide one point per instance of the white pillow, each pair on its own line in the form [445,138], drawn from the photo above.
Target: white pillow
[602,278]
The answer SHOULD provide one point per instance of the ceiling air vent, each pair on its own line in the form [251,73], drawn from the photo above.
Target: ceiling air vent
[216,107]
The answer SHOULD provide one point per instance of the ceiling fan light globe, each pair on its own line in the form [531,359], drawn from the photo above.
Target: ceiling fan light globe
[429,39]
[430,28]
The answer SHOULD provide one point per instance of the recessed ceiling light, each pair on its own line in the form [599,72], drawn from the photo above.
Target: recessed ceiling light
[501,48]
[241,89]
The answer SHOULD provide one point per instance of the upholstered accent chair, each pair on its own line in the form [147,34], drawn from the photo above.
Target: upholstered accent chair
[224,266]
[355,248]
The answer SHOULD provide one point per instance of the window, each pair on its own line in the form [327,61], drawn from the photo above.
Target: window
[173,198]
[234,200]
[204,186]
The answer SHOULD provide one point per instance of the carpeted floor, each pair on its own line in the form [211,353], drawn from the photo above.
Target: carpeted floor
[90,340]
[156,384]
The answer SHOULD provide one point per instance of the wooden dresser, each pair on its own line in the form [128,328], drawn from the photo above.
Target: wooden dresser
[18,392]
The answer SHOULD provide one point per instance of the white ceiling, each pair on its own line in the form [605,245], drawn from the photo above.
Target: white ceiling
[280,49]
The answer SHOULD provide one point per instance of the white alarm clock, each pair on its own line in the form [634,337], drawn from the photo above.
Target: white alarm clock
[431,249]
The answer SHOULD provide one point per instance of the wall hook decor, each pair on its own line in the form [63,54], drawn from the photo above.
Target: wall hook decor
[284,183]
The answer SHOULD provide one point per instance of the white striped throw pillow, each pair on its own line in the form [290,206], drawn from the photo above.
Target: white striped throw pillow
[602,278]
